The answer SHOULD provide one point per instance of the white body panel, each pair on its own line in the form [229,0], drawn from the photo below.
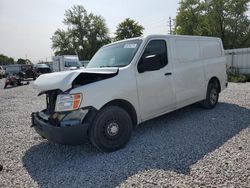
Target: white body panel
[192,62]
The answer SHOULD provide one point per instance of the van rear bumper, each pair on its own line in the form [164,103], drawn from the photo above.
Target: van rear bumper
[69,132]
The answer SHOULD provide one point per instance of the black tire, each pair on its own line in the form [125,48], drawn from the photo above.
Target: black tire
[19,83]
[212,96]
[111,129]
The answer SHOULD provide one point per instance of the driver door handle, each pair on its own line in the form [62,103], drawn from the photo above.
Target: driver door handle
[168,73]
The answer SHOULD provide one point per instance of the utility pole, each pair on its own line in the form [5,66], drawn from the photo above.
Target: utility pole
[170,25]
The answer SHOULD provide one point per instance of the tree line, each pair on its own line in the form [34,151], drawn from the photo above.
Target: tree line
[226,19]
[87,32]
[5,60]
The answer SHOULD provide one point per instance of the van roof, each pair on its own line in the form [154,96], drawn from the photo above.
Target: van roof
[177,36]
[165,36]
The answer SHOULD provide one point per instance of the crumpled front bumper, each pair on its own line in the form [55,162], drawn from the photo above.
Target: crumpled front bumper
[70,131]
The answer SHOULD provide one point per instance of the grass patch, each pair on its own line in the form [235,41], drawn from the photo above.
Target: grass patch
[238,78]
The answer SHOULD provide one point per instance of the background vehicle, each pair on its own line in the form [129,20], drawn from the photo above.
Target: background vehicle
[26,71]
[2,72]
[66,62]
[41,69]
[14,79]
[129,82]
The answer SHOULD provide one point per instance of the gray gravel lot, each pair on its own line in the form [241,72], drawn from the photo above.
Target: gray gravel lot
[191,147]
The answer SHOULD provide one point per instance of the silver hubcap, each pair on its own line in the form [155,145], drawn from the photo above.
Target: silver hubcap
[113,129]
[213,96]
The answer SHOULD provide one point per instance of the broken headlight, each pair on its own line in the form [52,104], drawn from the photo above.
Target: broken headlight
[68,102]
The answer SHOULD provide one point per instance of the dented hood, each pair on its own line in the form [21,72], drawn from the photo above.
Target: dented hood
[63,80]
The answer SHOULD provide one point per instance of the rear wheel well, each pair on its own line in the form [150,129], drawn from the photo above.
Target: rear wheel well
[127,106]
[216,81]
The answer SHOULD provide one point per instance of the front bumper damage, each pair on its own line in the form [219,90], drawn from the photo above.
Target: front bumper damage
[64,128]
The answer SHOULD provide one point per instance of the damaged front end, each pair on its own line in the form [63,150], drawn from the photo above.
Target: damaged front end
[64,121]
[68,127]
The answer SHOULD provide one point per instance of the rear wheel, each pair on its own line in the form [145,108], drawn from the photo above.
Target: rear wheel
[19,83]
[212,96]
[111,129]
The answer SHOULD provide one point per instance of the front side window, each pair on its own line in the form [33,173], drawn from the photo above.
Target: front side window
[115,55]
[154,57]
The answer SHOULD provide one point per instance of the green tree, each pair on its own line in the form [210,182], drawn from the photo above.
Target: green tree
[5,60]
[216,18]
[24,61]
[238,24]
[128,29]
[86,33]
[189,17]
[62,43]
[97,35]
[226,19]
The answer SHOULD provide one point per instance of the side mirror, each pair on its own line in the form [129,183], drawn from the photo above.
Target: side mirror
[149,63]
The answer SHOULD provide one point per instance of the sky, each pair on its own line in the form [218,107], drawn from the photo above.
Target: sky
[26,26]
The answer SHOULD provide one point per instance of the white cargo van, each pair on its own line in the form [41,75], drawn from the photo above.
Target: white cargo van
[129,82]
[66,62]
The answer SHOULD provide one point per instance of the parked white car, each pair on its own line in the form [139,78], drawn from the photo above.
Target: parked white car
[2,72]
[127,83]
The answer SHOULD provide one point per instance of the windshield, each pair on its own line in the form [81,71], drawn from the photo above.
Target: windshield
[72,63]
[116,55]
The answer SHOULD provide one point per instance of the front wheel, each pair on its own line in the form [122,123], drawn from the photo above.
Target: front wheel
[212,96]
[111,129]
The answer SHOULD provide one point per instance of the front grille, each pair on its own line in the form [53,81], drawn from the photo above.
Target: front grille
[51,101]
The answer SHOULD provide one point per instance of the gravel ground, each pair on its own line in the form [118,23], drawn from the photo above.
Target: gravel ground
[191,147]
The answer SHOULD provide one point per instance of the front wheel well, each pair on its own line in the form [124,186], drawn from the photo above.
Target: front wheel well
[215,80]
[127,106]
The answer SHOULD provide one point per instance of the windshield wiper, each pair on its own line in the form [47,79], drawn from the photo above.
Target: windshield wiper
[105,66]
[115,66]
[122,65]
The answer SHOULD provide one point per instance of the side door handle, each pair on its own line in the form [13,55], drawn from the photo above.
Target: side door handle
[168,73]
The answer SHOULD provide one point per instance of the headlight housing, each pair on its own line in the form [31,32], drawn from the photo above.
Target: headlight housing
[68,102]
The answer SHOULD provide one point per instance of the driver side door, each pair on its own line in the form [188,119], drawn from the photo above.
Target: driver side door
[155,80]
